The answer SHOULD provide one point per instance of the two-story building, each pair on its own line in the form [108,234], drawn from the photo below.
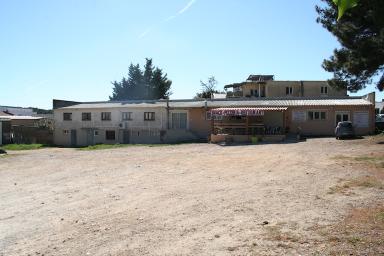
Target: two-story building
[264,86]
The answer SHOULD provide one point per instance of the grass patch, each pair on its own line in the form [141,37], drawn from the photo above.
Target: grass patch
[363,182]
[274,233]
[372,160]
[112,146]
[361,231]
[22,146]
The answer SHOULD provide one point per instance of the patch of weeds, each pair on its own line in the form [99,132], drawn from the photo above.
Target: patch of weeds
[274,233]
[23,146]
[111,146]
[373,160]
[360,231]
[363,182]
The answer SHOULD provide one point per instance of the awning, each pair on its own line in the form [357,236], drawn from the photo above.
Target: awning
[244,111]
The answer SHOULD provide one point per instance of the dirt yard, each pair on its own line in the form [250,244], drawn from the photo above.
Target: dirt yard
[318,197]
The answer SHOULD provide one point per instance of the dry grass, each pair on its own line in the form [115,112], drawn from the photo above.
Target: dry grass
[275,233]
[360,233]
[362,182]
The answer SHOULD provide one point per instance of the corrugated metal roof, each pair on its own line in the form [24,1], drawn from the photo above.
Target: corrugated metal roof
[277,102]
[132,104]
[20,117]
[290,102]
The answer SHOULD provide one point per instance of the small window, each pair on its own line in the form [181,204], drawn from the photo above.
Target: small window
[127,115]
[324,90]
[316,115]
[67,116]
[149,116]
[65,132]
[105,116]
[86,116]
[96,133]
[110,135]
[288,90]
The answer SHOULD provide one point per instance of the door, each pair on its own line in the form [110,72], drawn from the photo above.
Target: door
[342,116]
[126,134]
[73,138]
[90,137]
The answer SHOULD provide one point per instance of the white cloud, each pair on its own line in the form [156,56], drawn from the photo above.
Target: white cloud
[187,7]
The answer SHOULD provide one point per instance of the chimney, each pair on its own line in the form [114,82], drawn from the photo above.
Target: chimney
[370,97]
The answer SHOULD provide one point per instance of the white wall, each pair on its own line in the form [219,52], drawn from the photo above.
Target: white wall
[116,123]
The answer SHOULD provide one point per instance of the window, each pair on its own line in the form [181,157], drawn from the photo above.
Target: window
[96,133]
[342,116]
[105,116]
[65,132]
[67,116]
[86,116]
[110,135]
[324,90]
[317,115]
[149,116]
[179,120]
[127,115]
[288,90]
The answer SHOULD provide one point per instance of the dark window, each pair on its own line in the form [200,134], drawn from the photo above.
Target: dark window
[105,116]
[310,115]
[149,116]
[288,90]
[110,135]
[86,116]
[67,116]
[324,90]
[316,115]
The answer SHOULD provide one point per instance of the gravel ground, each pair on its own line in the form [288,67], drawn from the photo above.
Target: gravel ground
[191,199]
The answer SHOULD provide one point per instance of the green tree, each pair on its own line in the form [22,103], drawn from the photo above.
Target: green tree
[360,32]
[207,88]
[149,84]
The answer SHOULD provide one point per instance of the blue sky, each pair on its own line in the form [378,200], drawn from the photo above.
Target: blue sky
[74,49]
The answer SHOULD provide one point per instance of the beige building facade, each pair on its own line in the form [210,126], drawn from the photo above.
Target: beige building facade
[260,86]
[173,121]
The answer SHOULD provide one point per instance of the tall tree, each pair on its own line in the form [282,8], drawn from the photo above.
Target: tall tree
[207,88]
[151,83]
[360,31]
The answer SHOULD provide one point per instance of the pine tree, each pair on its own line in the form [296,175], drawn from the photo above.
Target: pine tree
[360,31]
[142,85]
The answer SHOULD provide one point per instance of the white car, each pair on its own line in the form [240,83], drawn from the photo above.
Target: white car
[380,118]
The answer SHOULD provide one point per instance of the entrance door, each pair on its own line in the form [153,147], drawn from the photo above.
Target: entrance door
[73,138]
[90,137]
[126,134]
[342,116]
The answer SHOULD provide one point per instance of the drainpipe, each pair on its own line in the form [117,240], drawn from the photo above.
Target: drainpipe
[301,89]
[167,114]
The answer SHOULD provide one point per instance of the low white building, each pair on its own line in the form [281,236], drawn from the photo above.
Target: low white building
[119,122]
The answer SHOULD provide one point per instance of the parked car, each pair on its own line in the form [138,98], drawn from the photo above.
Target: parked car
[344,130]
[379,118]
[379,123]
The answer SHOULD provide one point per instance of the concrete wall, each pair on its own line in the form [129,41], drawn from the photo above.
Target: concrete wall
[198,123]
[299,89]
[278,88]
[313,89]
[1,133]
